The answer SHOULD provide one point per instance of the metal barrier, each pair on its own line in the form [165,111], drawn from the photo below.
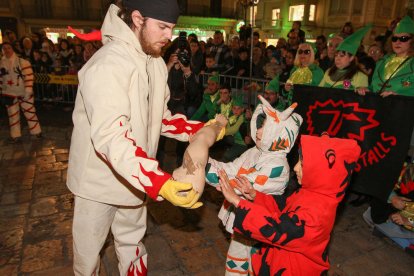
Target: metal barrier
[245,87]
[61,87]
[57,85]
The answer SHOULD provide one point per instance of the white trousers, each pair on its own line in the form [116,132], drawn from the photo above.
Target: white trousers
[29,111]
[238,261]
[91,223]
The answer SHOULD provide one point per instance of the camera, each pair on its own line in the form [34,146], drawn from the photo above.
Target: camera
[183,54]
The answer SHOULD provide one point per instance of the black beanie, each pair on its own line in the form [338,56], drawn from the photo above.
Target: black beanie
[163,10]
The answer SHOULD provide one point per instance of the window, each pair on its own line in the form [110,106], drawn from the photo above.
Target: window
[386,8]
[275,16]
[296,12]
[255,11]
[5,4]
[357,7]
[312,12]
[339,7]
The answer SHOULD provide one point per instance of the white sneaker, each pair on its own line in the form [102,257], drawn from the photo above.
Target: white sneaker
[367,217]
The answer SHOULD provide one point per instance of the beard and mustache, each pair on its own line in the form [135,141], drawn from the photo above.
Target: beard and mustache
[148,47]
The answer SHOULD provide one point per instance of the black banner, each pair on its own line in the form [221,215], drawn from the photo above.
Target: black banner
[381,126]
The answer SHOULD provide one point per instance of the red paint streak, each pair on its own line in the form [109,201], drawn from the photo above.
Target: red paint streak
[182,126]
[133,270]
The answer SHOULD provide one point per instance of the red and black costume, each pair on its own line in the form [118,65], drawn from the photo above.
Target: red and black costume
[294,230]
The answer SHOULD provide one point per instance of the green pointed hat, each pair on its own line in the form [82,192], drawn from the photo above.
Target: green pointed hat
[273,85]
[352,42]
[237,101]
[406,25]
[214,78]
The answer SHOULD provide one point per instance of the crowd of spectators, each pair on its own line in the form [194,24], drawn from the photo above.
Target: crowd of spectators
[233,58]
[66,56]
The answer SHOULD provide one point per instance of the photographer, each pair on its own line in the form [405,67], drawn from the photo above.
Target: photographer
[184,88]
[185,92]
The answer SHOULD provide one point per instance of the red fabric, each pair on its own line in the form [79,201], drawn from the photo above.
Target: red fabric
[294,230]
[92,36]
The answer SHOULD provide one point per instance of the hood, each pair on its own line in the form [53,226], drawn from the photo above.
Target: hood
[327,164]
[280,129]
[113,28]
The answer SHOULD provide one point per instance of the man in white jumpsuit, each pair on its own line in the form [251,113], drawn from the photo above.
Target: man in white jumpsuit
[120,113]
[16,86]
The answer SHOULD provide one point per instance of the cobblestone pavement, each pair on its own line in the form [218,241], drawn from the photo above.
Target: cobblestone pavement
[36,216]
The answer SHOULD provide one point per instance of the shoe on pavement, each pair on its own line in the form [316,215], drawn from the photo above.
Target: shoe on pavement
[367,217]
[37,136]
[14,140]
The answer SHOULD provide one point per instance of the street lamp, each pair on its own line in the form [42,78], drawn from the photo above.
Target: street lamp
[246,4]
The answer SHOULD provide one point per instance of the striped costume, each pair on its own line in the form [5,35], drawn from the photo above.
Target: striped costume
[16,82]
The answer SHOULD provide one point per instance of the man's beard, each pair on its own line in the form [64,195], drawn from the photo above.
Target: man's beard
[146,45]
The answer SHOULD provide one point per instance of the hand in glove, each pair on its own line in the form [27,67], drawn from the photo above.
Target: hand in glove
[222,131]
[188,198]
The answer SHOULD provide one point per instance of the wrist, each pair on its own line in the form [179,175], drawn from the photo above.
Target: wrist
[236,202]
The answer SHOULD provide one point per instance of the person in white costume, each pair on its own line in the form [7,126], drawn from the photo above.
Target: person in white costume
[120,113]
[16,87]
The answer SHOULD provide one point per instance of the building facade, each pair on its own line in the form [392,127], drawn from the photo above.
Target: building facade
[272,18]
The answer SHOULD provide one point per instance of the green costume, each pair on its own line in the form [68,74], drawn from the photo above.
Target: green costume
[402,82]
[208,107]
[399,71]
[225,109]
[273,87]
[310,75]
[233,135]
[358,80]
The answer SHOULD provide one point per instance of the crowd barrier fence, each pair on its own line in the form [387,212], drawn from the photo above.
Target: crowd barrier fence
[61,87]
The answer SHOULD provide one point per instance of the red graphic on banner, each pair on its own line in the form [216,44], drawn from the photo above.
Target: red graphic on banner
[338,114]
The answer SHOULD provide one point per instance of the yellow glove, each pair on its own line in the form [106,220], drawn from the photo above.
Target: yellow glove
[222,131]
[188,197]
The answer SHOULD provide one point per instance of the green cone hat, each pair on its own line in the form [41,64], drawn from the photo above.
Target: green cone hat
[214,78]
[273,85]
[406,25]
[352,42]
[238,101]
